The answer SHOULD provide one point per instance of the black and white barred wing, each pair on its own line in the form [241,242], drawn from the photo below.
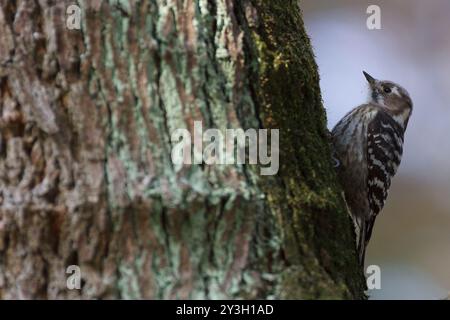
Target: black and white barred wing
[384,153]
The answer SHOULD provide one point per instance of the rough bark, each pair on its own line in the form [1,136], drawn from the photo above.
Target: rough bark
[86,176]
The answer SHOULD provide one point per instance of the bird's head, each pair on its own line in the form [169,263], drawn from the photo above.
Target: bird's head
[391,96]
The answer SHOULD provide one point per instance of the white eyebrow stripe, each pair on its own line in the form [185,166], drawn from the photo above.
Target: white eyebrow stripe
[395,90]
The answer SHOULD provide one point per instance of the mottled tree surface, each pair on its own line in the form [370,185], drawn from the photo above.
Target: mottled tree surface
[86,176]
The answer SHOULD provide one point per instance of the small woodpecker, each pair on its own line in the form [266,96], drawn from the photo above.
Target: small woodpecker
[368,144]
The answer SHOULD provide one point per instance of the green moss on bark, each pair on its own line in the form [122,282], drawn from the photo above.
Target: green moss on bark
[318,243]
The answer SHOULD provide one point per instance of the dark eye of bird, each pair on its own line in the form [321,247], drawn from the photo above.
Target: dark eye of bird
[387,90]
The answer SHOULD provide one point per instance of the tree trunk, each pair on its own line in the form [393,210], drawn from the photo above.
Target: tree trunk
[86,176]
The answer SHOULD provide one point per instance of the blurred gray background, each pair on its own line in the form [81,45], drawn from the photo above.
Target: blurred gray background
[411,238]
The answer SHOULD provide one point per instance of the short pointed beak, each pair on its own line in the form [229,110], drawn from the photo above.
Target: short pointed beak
[369,78]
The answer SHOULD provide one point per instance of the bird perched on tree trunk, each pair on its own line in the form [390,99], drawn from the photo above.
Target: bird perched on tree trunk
[368,144]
